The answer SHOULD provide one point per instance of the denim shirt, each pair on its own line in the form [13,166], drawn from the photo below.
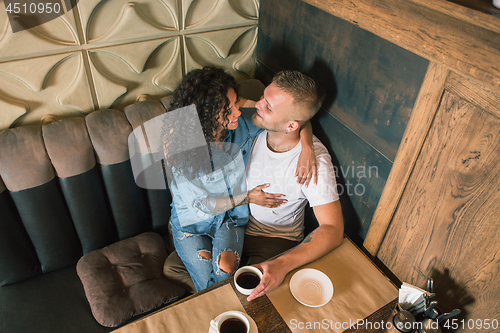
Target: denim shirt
[193,200]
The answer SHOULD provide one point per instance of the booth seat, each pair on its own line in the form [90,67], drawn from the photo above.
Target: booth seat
[68,189]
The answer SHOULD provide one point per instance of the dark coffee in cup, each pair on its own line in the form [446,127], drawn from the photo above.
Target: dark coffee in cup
[233,325]
[248,280]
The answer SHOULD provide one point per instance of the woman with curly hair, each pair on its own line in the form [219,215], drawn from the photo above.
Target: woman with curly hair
[207,180]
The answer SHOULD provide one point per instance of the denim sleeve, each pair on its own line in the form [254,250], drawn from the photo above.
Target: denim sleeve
[196,197]
[192,203]
[236,176]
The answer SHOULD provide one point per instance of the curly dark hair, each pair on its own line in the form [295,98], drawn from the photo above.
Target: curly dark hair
[206,88]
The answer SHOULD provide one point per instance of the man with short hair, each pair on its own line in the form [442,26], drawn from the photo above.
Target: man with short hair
[288,103]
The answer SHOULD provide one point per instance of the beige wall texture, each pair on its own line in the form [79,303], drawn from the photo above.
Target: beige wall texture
[111,53]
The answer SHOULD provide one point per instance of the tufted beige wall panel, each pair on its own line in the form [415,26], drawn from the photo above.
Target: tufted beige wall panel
[111,53]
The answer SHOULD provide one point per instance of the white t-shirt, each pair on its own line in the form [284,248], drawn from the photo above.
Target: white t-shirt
[278,169]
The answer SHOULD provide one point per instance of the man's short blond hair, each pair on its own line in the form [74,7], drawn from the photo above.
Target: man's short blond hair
[305,91]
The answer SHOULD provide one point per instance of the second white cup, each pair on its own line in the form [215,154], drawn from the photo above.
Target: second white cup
[231,322]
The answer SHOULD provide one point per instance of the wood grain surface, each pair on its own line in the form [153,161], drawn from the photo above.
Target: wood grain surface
[446,224]
[261,310]
[268,319]
[480,16]
[420,121]
[471,49]
[474,93]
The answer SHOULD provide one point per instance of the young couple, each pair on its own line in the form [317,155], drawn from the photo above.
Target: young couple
[210,216]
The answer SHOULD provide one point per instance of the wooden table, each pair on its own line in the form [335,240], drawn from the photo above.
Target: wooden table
[268,319]
[351,272]
[261,310]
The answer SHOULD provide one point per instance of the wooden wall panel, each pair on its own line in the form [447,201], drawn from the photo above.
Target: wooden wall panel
[446,224]
[420,122]
[439,214]
[451,35]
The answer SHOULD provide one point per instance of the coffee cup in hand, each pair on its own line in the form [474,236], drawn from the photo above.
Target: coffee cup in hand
[231,322]
[246,279]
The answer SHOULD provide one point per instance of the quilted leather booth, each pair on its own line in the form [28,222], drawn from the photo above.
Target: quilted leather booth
[66,189]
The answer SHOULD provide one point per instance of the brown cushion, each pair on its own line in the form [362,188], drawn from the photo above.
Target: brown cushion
[126,279]
[109,130]
[24,163]
[68,145]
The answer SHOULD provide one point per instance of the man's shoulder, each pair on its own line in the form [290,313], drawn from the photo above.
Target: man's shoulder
[324,163]
[325,191]
[319,147]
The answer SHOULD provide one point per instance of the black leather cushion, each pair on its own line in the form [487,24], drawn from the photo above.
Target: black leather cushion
[158,199]
[48,223]
[72,155]
[87,203]
[128,202]
[27,172]
[18,259]
[50,303]
[126,278]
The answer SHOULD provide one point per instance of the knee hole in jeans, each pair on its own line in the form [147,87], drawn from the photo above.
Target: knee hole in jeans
[228,261]
[204,254]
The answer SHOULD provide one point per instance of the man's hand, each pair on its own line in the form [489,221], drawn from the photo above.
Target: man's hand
[273,275]
[261,198]
[306,167]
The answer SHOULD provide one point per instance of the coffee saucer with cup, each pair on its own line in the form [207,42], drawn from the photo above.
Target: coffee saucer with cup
[229,320]
[246,279]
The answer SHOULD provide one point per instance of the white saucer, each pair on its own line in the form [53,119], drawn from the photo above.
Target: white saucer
[253,325]
[311,287]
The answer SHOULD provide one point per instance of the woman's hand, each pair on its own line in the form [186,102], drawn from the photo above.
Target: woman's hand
[261,198]
[306,167]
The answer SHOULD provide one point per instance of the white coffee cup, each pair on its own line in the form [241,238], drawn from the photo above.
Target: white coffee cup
[220,319]
[252,269]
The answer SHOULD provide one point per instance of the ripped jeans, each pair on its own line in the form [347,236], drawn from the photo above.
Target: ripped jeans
[206,272]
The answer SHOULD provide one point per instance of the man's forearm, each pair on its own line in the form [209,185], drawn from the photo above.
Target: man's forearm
[322,240]
[315,245]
